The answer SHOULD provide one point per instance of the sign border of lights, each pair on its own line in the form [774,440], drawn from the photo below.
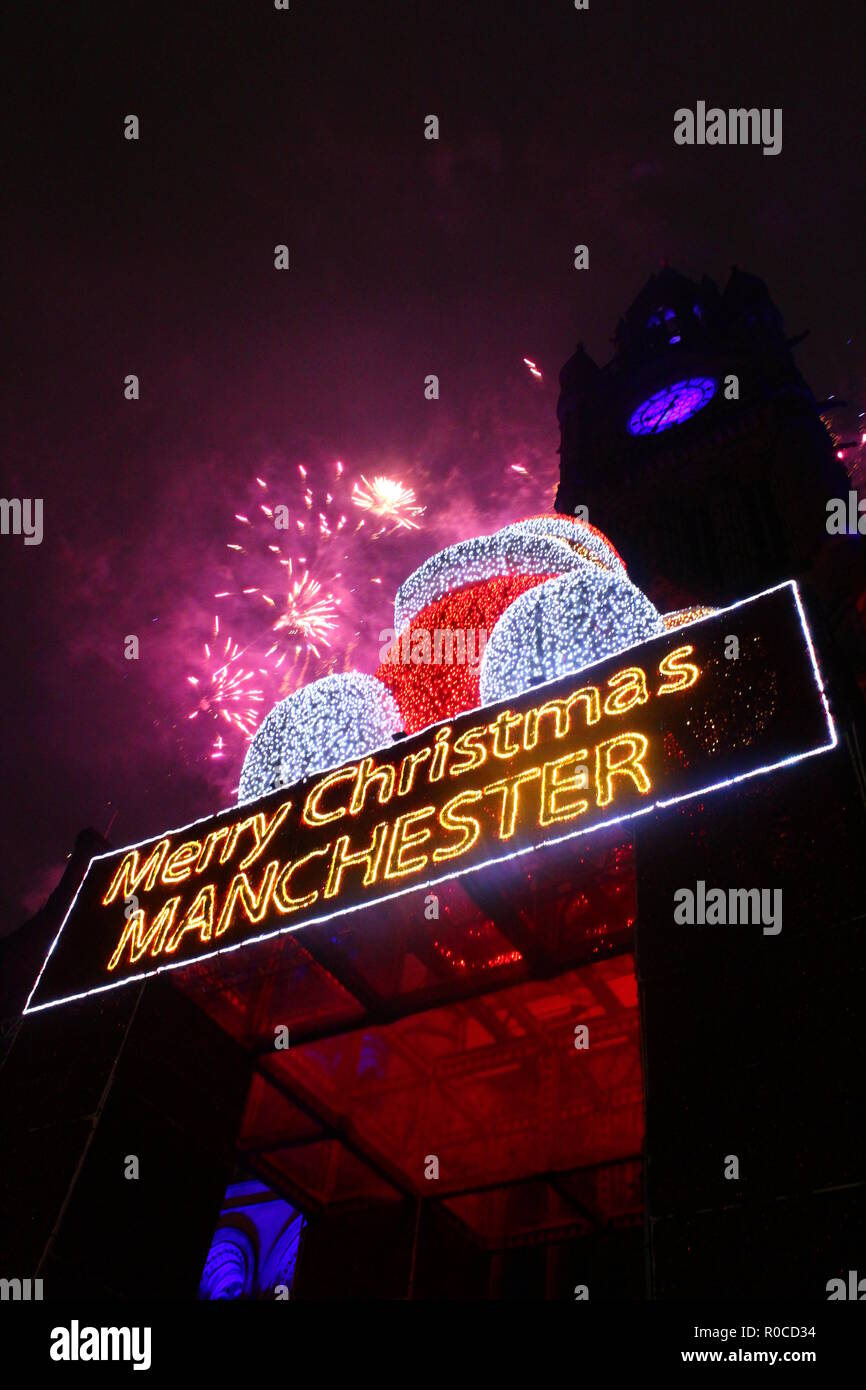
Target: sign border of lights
[790,761]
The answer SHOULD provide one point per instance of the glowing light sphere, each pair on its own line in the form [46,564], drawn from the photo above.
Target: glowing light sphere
[427,689]
[672,405]
[540,545]
[559,627]
[331,721]
[579,536]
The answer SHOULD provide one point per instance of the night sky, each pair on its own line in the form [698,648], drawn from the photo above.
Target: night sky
[407,257]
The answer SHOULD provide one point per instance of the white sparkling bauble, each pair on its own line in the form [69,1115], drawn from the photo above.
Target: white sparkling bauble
[561,626]
[331,721]
[541,545]
[577,534]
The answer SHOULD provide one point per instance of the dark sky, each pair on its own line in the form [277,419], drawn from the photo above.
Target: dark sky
[408,257]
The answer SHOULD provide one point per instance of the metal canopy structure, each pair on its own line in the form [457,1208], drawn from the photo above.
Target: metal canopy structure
[418,1040]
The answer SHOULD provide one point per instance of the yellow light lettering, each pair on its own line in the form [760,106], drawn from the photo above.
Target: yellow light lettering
[252,904]
[210,843]
[501,729]
[342,859]
[367,775]
[282,897]
[407,770]
[467,746]
[627,689]
[235,832]
[510,789]
[137,939]
[312,814]
[264,832]
[131,875]
[679,672]
[397,865]
[555,784]
[561,710]
[608,766]
[199,918]
[440,753]
[467,826]
[179,864]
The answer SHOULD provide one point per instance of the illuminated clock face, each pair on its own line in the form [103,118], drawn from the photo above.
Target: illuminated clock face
[672,405]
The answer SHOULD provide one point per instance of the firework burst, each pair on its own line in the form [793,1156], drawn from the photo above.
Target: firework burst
[390,500]
[309,613]
[288,556]
[300,569]
[294,543]
[227,691]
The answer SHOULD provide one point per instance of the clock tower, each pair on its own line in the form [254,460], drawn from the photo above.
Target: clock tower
[701,452]
[700,449]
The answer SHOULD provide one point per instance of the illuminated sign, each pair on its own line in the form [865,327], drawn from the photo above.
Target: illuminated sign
[732,696]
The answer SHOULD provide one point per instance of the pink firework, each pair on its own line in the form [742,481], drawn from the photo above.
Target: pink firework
[288,555]
[309,613]
[301,589]
[300,557]
[389,500]
[227,690]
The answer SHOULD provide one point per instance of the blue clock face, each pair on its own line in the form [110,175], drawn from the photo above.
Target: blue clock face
[672,405]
